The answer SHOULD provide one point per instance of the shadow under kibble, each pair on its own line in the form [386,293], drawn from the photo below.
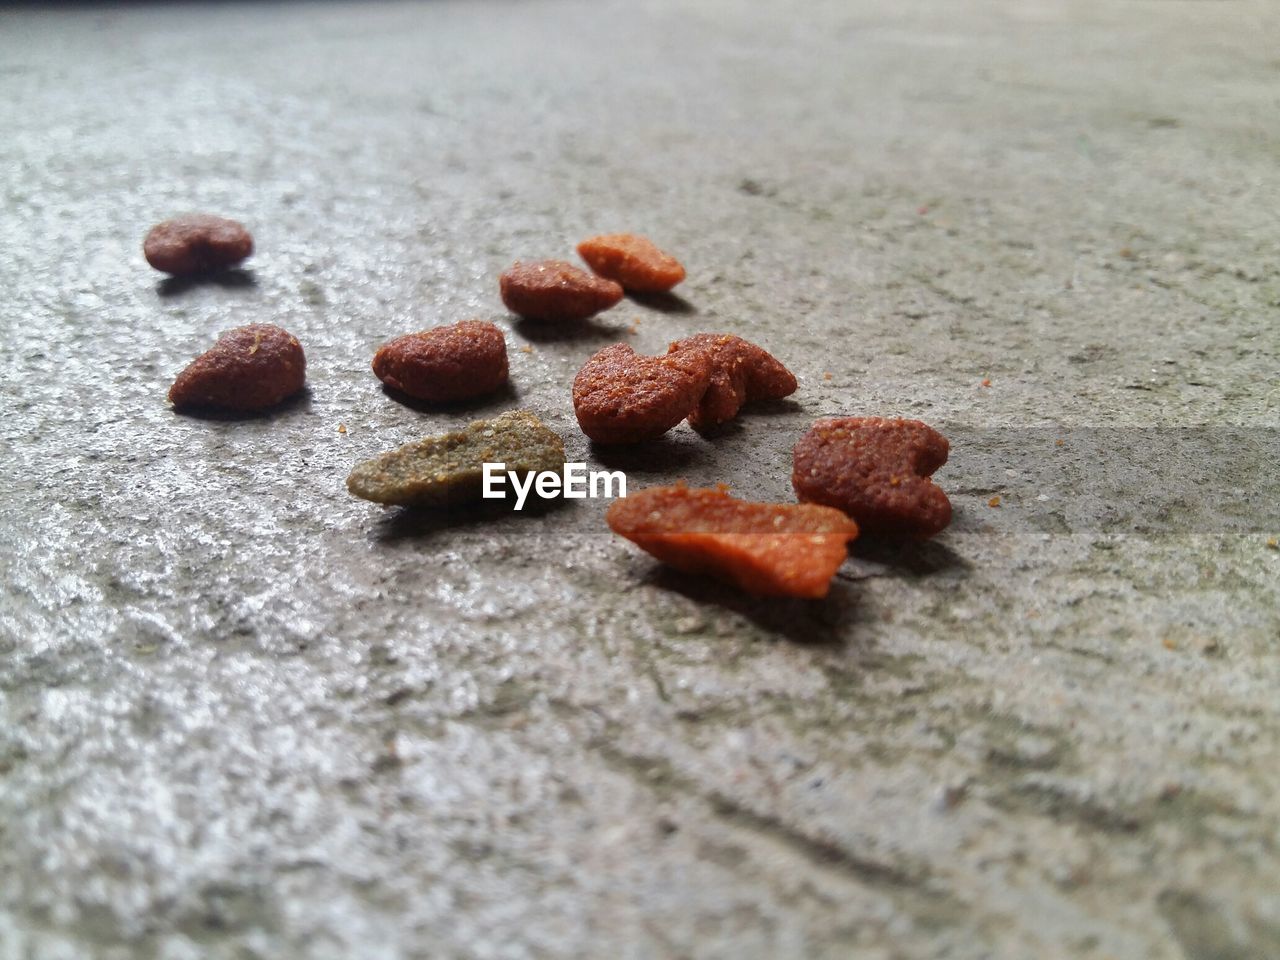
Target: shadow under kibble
[236,278]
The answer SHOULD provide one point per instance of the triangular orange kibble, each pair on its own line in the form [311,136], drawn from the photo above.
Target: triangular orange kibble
[770,549]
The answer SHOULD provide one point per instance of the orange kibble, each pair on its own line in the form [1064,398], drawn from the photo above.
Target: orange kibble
[987,382]
[993,502]
[632,261]
[769,549]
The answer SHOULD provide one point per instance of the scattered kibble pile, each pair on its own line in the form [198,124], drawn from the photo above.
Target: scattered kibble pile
[849,473]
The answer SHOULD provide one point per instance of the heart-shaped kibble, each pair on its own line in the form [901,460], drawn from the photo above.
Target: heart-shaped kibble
[456,362]
[877,471]
[553,290]
[771,549]
[196,243]
[249,368]
[741,372]
[621,396]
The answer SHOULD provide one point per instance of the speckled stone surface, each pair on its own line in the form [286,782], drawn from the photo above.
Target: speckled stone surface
[245,715]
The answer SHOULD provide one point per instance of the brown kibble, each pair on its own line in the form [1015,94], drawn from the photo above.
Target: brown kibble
[633,261]
[620,396]
[741,372]
[993,502]
[467,359]
[556,291]
[986,383]
[770,549]
[249,368]
[342,428]
[196,243]
[827,375]
[876,470]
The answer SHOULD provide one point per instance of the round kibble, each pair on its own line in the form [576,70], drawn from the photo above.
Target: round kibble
[457,362]
[553,290]
[248,368]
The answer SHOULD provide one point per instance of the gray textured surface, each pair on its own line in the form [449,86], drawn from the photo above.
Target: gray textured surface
[244,715]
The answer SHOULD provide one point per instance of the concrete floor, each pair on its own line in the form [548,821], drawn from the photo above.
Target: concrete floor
[245,715]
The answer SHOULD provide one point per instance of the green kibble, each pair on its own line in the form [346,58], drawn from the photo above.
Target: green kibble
[447,470]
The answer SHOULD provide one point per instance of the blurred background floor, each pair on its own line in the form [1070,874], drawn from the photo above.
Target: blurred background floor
[244,715]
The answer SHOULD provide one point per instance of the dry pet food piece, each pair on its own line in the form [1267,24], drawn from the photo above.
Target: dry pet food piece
[464,360]
[196,243]
[771,549]
[621,396]
[741,373]
[448,469]
[555,290]
[632,261]
[876,470]
[249,368]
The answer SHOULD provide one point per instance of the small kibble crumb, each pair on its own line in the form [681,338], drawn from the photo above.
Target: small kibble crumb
[769,549]
[196,243]
[986,382]
[1059,443]
[827,375]
[993,502]
[1273,544]
[448,469]
[1169,644]
[342,428]
[526,349]
[249,368]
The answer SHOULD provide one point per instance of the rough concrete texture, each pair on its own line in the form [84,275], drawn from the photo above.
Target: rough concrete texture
[245,715]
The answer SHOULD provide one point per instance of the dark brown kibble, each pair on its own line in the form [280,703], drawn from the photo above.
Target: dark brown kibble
[249,368]
[877,471]
[620,396]
[556,291]
[196,243]
[467,359]
[741,372]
